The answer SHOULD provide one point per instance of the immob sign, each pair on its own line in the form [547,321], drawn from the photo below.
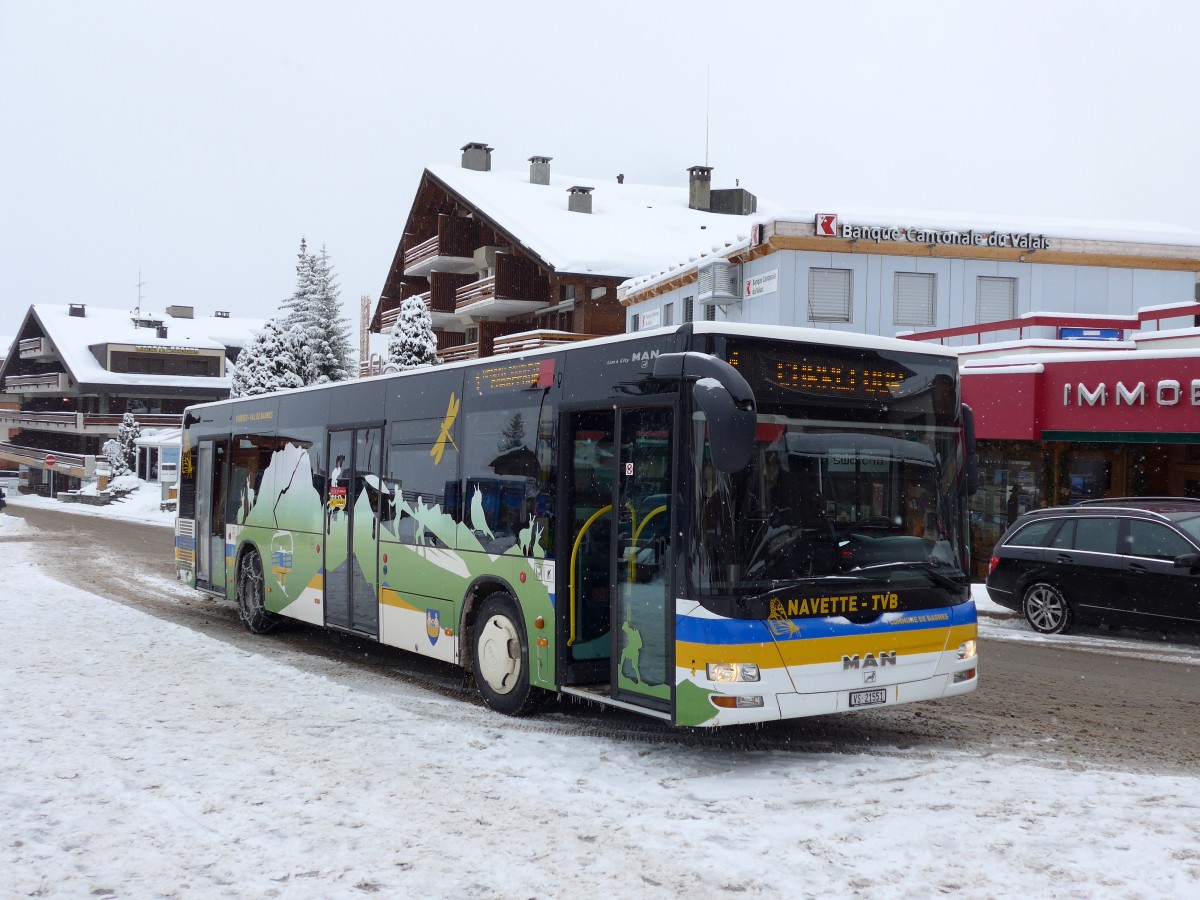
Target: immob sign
[827,225]
[1167,392]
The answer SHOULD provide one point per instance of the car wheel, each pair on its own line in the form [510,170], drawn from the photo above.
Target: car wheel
[1046,609]
[501,658]
[251,596]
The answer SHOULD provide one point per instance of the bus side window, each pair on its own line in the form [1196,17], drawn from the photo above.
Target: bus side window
[422,477]
[508,494]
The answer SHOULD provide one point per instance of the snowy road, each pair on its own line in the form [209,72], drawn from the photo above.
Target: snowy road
[142,757]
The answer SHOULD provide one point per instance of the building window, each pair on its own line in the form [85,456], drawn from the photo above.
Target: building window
[472,334]
[996,299]
[566,293]
[914,299]
[829,295]
[710,313]
[668,314]
[689,309]
[635,322]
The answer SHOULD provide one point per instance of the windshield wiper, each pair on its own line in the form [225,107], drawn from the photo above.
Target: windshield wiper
[937,577]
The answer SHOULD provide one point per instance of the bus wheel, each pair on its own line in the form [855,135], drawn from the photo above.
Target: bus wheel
[1047,610]
[251,594]
[501,658]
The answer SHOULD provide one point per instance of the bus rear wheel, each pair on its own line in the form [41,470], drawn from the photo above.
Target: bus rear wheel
[251,596]
[500,660]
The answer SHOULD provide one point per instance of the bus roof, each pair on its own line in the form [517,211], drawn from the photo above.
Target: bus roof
[791,334]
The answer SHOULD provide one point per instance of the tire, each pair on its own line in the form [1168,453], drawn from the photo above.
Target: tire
[500,661]
[251,594]
[1046,609]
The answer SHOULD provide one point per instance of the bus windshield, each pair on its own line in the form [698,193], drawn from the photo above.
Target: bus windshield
[863,500]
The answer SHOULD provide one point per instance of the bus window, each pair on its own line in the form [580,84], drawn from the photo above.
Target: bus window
[507,491]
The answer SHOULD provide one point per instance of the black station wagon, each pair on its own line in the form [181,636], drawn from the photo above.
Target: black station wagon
[1133,561]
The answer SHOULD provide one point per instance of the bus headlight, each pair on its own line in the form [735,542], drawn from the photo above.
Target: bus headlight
[966,649]
[728,672]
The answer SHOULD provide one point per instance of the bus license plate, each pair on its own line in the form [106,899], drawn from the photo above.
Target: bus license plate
[873,697]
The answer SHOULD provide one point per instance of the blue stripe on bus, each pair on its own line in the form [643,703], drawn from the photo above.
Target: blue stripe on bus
[754,631]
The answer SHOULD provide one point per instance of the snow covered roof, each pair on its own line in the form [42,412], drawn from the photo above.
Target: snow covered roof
[632,228]
[74,337]
[1081,234]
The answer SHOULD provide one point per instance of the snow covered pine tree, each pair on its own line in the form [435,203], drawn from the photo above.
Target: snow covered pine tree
[115,454]
[127,433]
[412,342]
[314,309]
[272,362]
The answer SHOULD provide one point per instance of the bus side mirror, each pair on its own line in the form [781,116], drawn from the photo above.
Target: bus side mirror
[724,397]
[970,452]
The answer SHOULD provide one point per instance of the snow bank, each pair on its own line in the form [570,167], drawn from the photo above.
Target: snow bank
[142,758]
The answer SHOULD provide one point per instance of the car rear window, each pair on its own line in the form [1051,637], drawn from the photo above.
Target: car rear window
[1033,535]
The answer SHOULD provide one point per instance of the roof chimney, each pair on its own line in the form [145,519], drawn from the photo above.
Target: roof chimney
[539,169]
[699,185]
[477,156]
[580,199]
[181,312]
[77,309]
[621,178]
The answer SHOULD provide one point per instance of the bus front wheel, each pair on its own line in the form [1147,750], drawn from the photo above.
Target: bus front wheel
[500,660]
[251,596]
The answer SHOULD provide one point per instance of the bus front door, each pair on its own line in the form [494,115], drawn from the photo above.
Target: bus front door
[618,583]
[352,531]
[643,599]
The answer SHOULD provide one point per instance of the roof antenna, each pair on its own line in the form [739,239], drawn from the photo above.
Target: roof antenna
[707,105]
[140,284]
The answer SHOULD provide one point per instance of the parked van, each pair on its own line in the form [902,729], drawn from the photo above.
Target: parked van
[9,480]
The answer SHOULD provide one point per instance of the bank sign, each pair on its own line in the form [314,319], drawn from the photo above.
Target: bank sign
[827,225]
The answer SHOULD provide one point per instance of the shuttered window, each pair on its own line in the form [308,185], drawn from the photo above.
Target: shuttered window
[914,298]
[829,295]
[710,313]
[996,299]
[635,321]
[669,314]
[689,308]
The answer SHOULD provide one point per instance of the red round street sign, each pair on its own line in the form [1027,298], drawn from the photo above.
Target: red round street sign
[50,460]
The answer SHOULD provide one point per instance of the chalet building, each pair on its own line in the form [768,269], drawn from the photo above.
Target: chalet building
[1079,345]
[508,261]
[77,370]
[8,402]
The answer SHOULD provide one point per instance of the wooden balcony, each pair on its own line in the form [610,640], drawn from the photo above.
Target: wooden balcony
[83,423]
[46,383]
[477,292]
[388,320]
[461,352]
[33,348]
[450,250]
[536,339]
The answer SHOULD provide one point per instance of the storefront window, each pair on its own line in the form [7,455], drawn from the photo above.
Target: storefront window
[1010,483]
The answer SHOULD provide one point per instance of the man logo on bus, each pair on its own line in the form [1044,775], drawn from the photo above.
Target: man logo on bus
[433,624]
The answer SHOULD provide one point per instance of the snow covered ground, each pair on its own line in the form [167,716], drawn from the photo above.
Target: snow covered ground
[141,758]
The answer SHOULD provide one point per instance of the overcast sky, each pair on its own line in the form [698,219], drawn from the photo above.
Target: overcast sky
[199,142]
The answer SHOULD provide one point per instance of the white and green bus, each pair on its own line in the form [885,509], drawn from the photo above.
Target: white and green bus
[710,524]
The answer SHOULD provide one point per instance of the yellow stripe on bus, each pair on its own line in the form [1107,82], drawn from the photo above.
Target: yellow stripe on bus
[389,597]
[815,651]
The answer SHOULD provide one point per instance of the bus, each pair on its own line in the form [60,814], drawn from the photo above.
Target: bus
[711,524]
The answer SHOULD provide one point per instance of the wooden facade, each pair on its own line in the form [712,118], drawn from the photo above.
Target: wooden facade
[482,283]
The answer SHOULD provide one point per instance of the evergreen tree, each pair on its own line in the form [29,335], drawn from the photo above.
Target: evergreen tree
[514,433]
[272,362]
[315,311]
[412,342]
[127,434]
